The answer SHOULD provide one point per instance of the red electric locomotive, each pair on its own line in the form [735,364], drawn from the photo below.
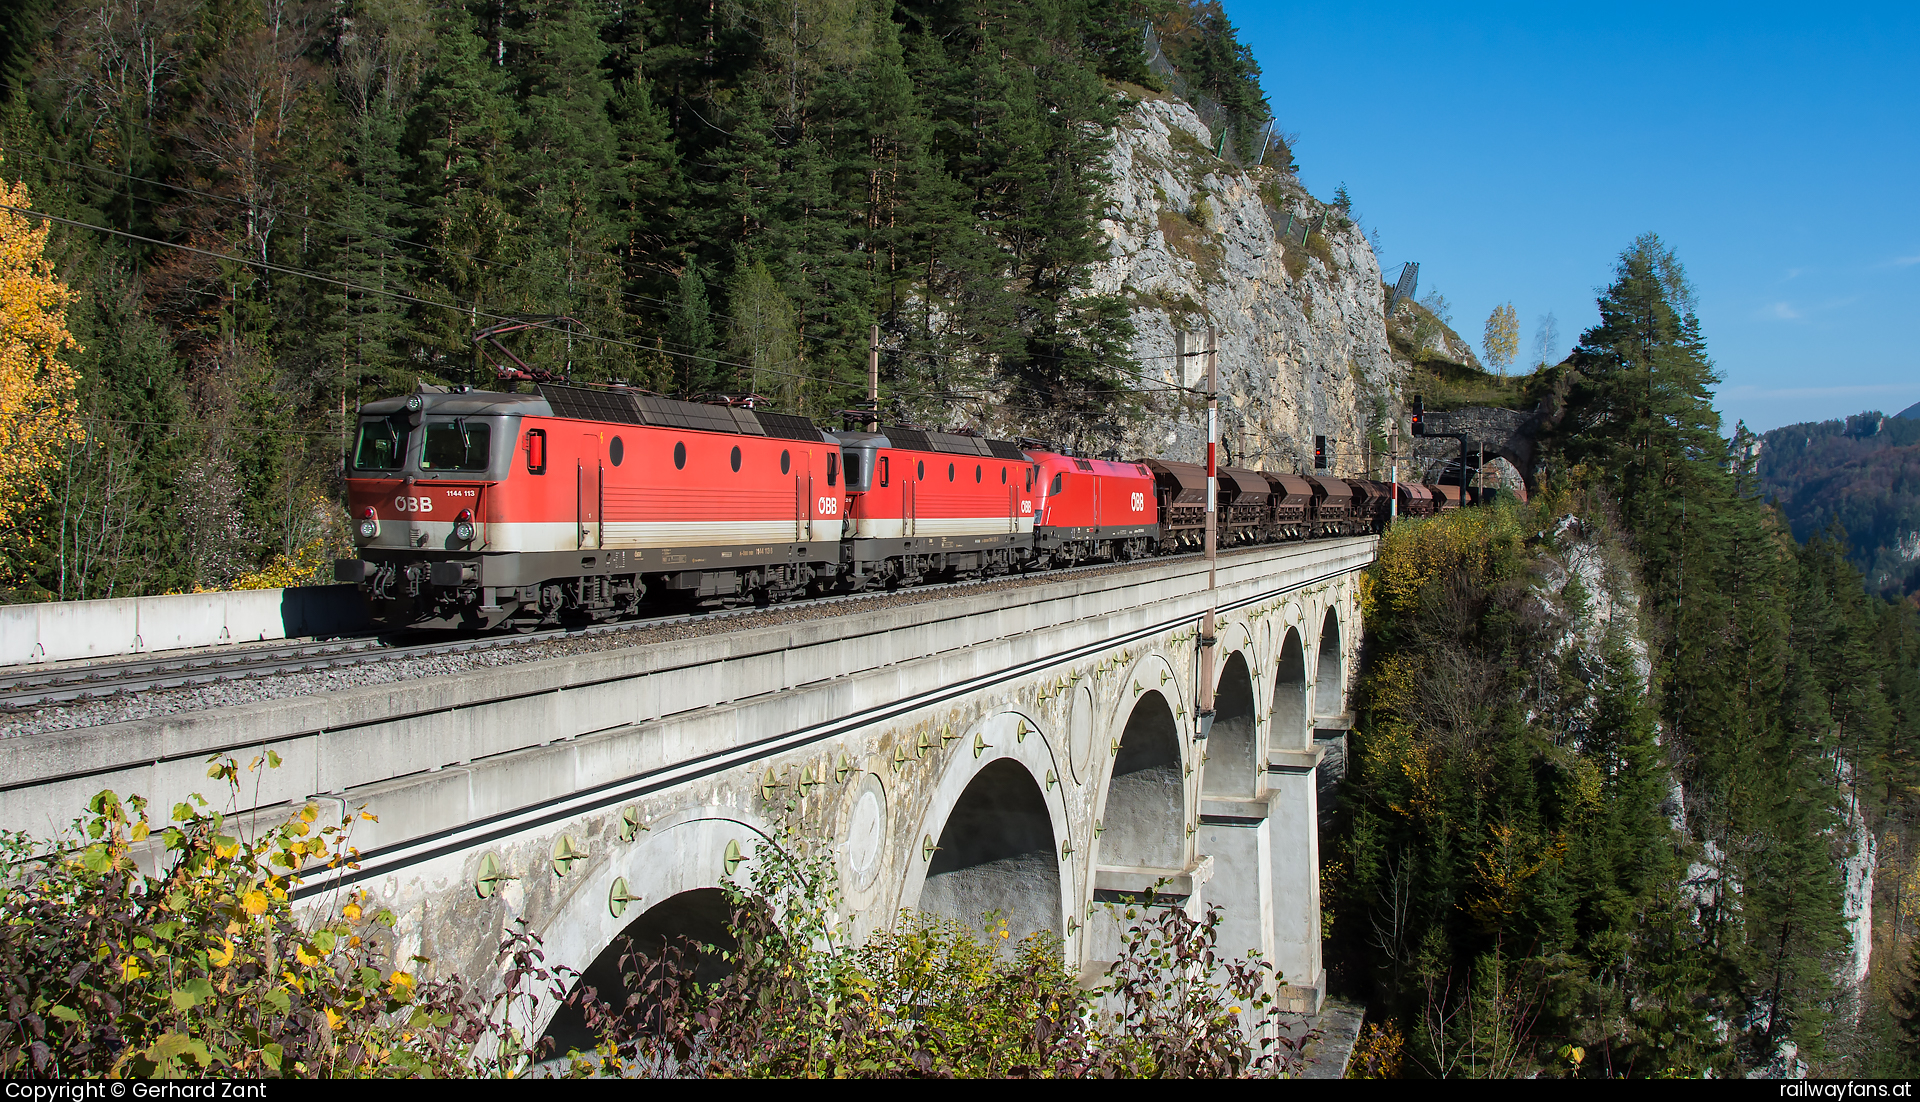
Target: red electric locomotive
[1092,509]
[934,504]
[477,509]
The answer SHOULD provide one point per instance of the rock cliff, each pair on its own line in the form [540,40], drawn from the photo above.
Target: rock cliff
[1303,338]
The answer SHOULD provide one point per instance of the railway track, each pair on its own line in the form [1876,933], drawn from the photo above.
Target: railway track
[27,690]
[95,680]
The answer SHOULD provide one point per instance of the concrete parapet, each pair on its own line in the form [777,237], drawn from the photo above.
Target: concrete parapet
[60,631]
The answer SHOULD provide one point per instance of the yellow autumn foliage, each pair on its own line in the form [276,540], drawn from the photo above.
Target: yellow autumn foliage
[1411,555]
[1509,859]
[288,571]
[39,409]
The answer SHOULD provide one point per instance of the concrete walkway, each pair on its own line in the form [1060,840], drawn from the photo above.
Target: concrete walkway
[1339,1025]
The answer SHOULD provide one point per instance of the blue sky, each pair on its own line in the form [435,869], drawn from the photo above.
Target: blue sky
[1515,150]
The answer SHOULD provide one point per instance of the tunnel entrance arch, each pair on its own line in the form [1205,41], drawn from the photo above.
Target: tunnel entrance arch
[674,925]
[1289,730]
[1232,763]
[997,852]
[1329,679]
[1144,817]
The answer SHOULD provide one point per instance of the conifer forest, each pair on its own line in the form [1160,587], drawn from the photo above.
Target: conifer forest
[315,204]
[1635,761]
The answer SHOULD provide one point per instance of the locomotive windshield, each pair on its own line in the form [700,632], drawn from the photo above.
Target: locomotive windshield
[382,447]
[458,445]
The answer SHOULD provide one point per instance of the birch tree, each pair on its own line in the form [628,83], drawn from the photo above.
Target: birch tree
[1502,338]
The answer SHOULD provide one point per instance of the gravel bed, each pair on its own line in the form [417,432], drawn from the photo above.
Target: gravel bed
[150,703]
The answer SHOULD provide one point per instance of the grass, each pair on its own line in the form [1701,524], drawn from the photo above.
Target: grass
[1192,241]
[1319,248]
[1186,141]
[1294,258]
[1446,385]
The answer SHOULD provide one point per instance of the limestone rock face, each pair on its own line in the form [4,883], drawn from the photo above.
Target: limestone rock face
[1303,340]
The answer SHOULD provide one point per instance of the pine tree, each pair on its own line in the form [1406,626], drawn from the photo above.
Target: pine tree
[765,336]
[691,341]
[1114,31]
[460,131]
[374,258]
[650,191]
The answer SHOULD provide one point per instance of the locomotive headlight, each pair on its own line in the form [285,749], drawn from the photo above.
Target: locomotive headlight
[414,402]
[369,527]
[463,526]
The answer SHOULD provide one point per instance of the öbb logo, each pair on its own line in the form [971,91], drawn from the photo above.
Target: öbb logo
[413,504]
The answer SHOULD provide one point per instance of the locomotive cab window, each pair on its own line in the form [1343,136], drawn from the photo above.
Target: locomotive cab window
[853,470]
[1056,483]
[458,445]
[382,446]
[833,469]
[886,476]
[536,451]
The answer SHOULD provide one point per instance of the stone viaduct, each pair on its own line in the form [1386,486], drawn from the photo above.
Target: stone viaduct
[1031,750]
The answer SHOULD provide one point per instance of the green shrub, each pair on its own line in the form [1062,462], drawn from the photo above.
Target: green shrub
[205,968]
[931,997]
[1319,249]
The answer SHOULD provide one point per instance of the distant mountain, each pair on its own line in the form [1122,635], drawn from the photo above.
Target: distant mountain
[1864,471]
[1911,413]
